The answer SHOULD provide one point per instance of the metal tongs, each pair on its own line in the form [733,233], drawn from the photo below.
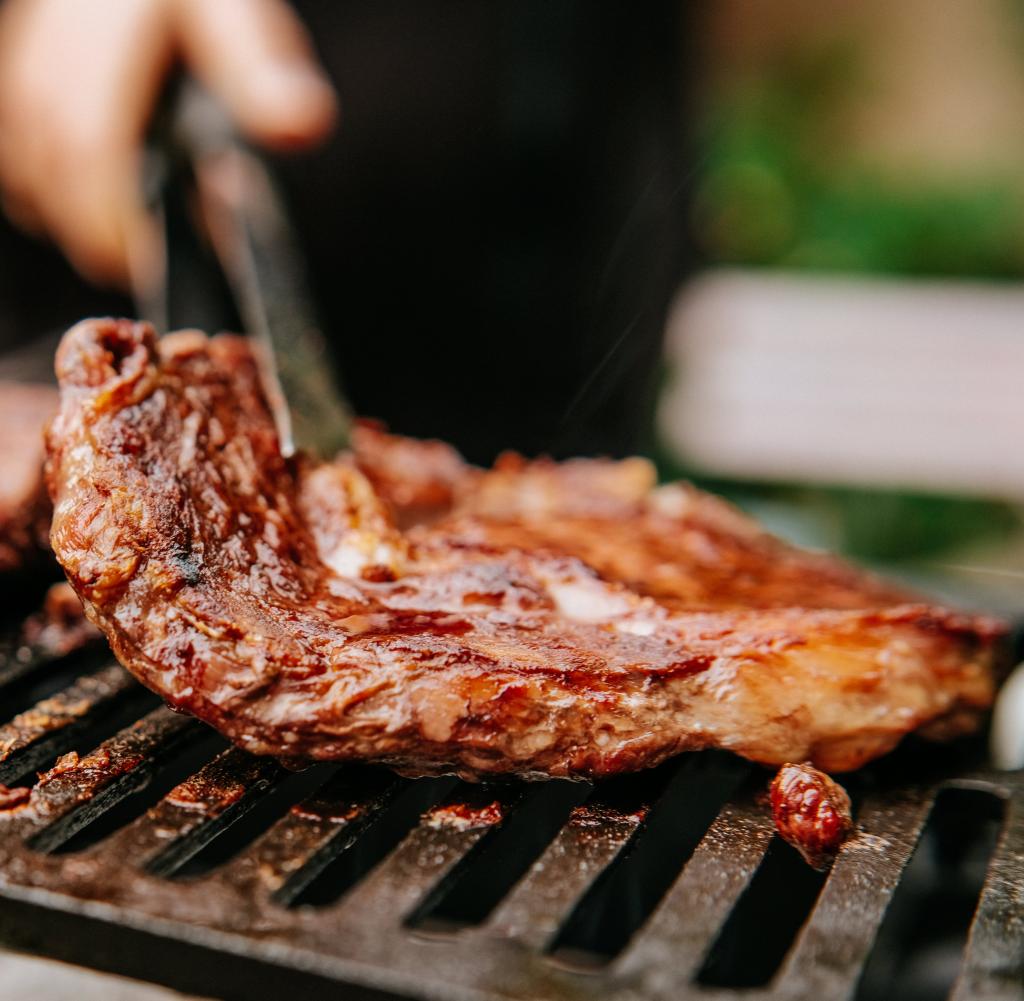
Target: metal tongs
[230,257]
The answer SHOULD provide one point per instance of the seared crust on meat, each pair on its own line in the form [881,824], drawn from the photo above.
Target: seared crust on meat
[559,620]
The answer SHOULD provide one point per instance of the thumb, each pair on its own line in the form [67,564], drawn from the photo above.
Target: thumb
[256,56]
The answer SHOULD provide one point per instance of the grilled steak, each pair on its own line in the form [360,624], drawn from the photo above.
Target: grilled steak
[24,505]
[546,619]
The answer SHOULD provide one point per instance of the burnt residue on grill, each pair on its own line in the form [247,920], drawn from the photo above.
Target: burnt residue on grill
[597,816]
[12,798]
[203,794]
[98,766]
[465,816]
[326,812]
[87,708]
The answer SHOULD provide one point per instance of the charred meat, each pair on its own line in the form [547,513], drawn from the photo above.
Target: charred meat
[546,619]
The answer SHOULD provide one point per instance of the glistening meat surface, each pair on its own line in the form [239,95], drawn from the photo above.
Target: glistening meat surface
[550,619]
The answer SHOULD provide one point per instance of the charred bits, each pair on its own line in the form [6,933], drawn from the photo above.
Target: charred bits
[13,797]
[465,816]
[811,812]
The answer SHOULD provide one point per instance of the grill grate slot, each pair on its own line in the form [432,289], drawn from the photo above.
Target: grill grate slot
[348,871]
[666,953]
[278,791]
[104,830]
[72,799]
[761,927]
[993,964]
[29,674]
[19,661]
[622,899]
[594,835]
[298,848]
[484,876]
[391,890]
[919,947]
[193,813]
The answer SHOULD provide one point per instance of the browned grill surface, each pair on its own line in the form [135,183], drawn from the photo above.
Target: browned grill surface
[160,853]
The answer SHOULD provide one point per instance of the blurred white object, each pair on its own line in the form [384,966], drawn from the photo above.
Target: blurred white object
[842,380]
[1006,738]
[27,977]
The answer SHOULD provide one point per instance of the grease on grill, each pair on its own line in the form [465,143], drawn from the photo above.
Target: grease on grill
[201,794]
[327,811]
[50,714]
[465,816]
[98,762]
[598,815]
[63,764]
[12,798]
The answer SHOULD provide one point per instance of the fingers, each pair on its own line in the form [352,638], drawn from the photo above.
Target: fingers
[77,81]
[256,57]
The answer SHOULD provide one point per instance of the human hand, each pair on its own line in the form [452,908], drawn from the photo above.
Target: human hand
[79,80]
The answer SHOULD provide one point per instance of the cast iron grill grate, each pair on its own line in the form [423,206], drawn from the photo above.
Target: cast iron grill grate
[163,854]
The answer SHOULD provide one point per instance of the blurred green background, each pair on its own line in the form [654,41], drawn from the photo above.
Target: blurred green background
[868,138]
[817,154]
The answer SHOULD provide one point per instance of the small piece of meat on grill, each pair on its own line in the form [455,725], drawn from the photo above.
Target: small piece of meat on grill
[12,798]
[812,813]
[24,504]
[60,626]
[276,600]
